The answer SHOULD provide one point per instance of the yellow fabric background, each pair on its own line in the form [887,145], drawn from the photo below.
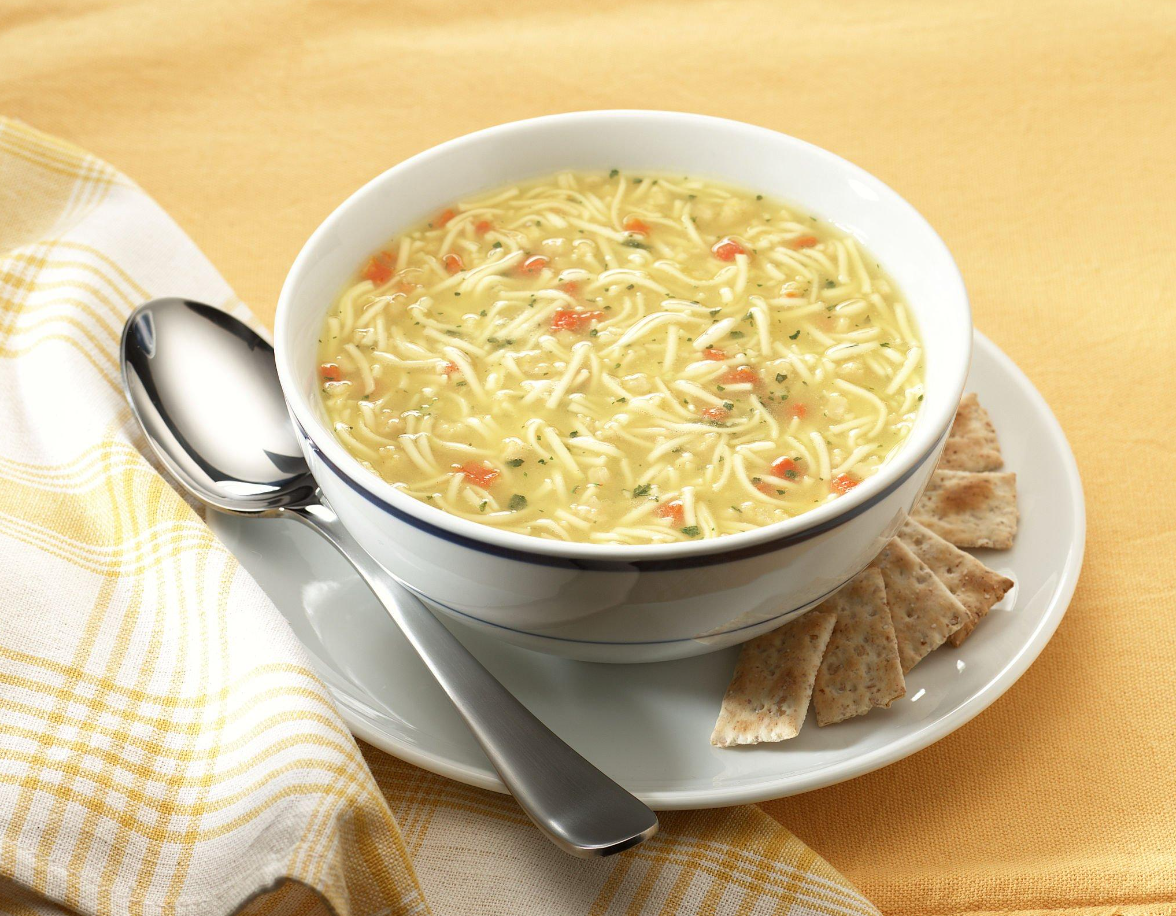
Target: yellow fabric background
[1040,140]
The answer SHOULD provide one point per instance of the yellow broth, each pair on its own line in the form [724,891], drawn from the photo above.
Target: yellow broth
[621,358]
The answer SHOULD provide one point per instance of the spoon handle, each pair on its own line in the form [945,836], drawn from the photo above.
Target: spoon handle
[579,808]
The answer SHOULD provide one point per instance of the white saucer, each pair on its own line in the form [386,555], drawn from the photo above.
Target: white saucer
[648,726]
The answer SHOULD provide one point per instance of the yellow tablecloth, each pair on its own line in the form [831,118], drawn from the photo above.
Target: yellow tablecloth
[1039,138]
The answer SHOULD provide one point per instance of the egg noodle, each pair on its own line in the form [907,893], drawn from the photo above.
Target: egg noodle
[623,359]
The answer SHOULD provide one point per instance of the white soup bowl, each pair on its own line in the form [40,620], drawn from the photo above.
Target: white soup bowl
[626,603]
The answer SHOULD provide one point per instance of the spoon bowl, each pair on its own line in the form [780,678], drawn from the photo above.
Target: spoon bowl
[232,444]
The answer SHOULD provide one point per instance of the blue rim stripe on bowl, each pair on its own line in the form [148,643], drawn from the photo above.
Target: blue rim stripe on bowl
[540,559]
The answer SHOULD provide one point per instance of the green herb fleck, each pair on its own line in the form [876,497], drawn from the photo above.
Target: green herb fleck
[515,462]
[517,503]
[794,335]
[781,377]
[642,489]
[633,243]
[614,173]
[692,531]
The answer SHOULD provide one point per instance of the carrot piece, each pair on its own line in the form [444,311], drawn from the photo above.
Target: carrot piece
[329,372]
[843,483]
[567,320]
[714,353]
[636,226]
[453,263]
[805,241]
[479,474]
[726,249]
[785,467]
[715,414]
[571,287]
[483,226]
[781,467]
[740,375]
[766,488]
[533,265]
[674,511]
[444,217]
[379,268]
[406,286]
[450,368]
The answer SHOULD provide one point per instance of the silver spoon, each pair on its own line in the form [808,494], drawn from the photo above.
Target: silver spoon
[205,389]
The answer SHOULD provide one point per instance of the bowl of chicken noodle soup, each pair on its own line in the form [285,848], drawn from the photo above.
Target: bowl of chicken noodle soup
[623,386]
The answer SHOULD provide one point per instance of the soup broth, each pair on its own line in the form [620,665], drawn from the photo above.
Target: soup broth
[621,358]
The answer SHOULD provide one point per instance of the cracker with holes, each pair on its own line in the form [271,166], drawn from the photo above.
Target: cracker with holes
[861,667]
[769,693]
[924,613]
[971,444]
[972,583]
[970,509]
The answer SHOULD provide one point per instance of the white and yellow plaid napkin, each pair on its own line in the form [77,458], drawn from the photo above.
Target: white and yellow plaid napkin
[164,746]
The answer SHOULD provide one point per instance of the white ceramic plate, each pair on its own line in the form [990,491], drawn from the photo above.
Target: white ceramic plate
[648,726]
